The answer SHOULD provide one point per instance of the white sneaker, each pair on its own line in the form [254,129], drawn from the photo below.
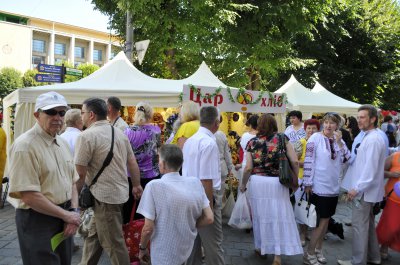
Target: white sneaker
[344,262]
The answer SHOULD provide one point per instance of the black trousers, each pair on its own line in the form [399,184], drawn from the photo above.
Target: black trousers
[35,231]
[127,208]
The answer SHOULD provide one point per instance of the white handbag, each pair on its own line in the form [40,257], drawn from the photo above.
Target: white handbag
[304,212]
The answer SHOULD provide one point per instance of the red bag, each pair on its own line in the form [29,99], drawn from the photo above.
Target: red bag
[132,234]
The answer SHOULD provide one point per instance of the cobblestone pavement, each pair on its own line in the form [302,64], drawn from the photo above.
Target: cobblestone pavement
[238,245]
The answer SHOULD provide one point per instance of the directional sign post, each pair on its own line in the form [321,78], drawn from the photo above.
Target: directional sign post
[48,68]
[74,72]
[48,78]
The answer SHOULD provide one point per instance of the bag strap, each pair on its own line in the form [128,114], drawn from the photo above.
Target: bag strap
[133,211]
[390,192]
[108,159]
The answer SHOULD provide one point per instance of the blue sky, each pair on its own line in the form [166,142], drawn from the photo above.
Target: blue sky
[73,12]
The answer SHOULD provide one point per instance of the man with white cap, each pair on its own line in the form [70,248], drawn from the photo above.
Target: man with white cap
[42,180]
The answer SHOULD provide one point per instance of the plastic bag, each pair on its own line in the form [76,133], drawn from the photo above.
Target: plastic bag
[305,213]
[228,207]
[241,217]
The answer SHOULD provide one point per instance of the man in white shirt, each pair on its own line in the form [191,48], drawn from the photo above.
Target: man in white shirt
[366,188]
[201,160]
[113,109]
[173,207]
[74,123]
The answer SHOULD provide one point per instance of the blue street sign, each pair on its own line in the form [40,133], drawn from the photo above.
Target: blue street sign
[48,68]
[48,78]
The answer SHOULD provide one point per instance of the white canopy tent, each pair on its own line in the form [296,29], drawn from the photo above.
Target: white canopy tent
[116,78]
[318,100]
[334,102]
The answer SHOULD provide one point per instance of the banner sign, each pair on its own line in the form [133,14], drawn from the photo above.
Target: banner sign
[49,68]
[233,100]
[48,78]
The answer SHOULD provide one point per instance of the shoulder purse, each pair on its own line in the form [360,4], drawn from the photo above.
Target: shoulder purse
[286,174]
[86,198]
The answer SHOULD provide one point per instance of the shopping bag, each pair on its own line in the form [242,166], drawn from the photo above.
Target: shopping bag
[305,213]
[241,217]
[132,234]
[86,222]
[228,207]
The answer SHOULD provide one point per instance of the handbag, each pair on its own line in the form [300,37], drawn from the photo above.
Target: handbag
[286,174]
[304,212]
[132,234]
[86,222]
[376,209]
[86,198]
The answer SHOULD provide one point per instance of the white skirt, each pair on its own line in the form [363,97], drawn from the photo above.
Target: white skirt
[274,227]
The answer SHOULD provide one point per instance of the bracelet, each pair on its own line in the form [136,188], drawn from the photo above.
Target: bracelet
[141,247]
[77,210]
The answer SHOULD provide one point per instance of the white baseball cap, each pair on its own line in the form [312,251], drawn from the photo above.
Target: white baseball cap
[50,100]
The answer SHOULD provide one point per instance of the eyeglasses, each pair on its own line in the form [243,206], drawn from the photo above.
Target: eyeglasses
[83,112]
[53,112]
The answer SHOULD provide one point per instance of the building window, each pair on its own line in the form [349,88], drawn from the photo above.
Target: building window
[97,56]
[58,61]
[37,60]
[79,52]
[112,55]
[39,46]
[59,48]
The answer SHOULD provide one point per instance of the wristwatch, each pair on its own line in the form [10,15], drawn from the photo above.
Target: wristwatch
[141,247]
[77,210]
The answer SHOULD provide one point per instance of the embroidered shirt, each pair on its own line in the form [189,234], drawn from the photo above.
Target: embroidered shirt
[294,135]
[323,163]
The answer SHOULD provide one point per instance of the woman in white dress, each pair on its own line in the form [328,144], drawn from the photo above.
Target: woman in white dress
[326,153]
[274,227]
[252,124]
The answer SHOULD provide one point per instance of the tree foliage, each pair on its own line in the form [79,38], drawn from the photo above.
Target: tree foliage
[28,79]
[10,79]
[349,46]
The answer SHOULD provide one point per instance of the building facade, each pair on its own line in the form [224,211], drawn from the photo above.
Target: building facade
[28,41]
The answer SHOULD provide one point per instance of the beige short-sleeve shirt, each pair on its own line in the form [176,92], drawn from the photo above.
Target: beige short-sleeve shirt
[42,163]
[92,148]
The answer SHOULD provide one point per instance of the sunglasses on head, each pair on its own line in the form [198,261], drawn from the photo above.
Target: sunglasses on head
[53,112]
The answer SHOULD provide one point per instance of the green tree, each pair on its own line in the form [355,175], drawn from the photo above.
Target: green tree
[86,68]
[10,79]
[356,52]
[28,79]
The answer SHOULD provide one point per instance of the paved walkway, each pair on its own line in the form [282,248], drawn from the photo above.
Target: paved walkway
[238,245]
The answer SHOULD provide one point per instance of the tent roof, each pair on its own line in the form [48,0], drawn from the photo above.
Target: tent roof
[329,99]
[120,78]
[296,93]
[317,100]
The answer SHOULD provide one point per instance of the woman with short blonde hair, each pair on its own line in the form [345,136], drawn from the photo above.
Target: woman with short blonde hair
[143,114]
[189,117]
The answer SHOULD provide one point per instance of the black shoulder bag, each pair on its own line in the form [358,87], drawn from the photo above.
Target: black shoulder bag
[86,198]
[286,174]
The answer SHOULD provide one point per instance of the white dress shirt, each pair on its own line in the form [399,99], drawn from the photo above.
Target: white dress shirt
[246,137]
[71,135]
[365,174]
[174,203]
[201,157]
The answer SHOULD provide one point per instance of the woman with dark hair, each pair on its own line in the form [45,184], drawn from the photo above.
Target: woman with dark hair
[352,125]
[326,153]
[311,126]
[274,226]
[251,123]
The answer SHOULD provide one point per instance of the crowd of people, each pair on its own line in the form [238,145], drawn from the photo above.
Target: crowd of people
[178,187]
